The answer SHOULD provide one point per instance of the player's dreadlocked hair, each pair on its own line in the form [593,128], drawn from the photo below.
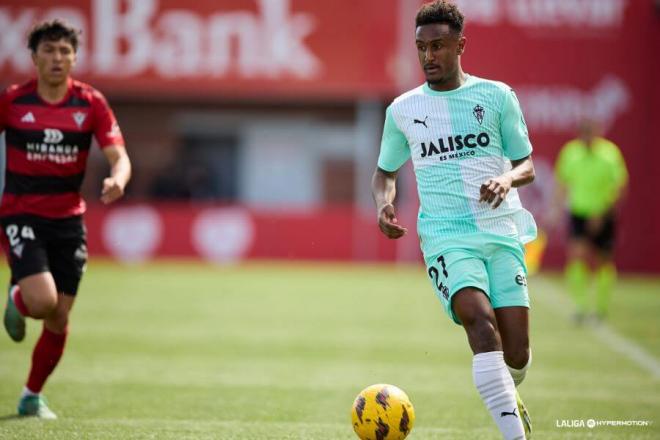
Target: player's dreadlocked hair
[52,31]
[440,11]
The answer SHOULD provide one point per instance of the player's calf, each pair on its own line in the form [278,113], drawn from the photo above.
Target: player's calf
[498,393]
[518,374]
[46,356]
[39,294]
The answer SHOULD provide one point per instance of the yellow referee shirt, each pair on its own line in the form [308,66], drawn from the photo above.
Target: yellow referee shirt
[593,175]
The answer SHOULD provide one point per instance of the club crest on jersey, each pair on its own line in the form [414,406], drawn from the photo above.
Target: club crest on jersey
[79,117]
[478,113]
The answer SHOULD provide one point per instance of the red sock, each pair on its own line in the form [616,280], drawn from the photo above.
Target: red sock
[45,357]
[18,301]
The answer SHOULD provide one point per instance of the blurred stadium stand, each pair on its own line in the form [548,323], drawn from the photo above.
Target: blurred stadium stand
[254,125]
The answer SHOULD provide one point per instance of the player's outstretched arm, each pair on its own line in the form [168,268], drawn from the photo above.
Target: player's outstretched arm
[120,173]
[494,191]
[383,188]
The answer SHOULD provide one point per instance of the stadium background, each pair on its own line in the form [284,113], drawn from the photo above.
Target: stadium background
[254,125]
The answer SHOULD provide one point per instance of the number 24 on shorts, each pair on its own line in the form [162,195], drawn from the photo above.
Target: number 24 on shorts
[12,231]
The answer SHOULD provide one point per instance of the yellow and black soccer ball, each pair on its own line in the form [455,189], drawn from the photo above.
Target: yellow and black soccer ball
[382,412]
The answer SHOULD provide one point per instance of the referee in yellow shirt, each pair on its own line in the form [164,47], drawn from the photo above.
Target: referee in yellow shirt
[591,175]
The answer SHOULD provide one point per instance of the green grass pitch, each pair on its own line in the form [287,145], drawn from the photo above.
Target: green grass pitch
[280,350]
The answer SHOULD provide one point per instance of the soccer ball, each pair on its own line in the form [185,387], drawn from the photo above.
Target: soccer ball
[382,412]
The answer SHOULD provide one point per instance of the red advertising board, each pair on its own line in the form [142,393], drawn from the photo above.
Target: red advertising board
[239,48]
[222,234]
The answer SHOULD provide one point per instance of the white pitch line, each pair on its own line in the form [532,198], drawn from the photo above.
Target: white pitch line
[628,348]
[611,338]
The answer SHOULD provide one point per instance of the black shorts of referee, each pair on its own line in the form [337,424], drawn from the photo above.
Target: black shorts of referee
[602,238]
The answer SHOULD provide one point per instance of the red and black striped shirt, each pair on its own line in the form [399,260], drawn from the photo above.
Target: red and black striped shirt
[48,145]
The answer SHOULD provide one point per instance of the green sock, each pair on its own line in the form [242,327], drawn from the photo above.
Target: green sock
[605,280]
[577,278]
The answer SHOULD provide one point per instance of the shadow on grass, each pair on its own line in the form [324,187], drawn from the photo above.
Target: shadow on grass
[10,417]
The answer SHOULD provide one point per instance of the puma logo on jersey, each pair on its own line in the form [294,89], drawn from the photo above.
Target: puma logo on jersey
[512,413]
[417,121]
[28,117]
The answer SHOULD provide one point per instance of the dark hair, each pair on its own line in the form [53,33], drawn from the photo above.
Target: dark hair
[52,31]
[440,11]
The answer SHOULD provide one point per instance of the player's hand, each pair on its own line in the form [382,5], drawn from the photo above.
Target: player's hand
[388,223]
[494,191]
[112,190]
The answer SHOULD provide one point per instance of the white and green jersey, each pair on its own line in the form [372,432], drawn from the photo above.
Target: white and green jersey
[457,140]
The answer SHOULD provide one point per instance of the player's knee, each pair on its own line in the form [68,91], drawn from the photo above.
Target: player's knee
[517,357]
[482,333]
[44,307]
[478,321]
[58,320]
[58,324]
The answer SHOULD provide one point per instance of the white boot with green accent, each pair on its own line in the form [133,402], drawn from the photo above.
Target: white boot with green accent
[13,320]
[34,405]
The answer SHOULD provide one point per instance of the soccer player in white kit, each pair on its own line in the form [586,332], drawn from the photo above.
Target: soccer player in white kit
[470,149]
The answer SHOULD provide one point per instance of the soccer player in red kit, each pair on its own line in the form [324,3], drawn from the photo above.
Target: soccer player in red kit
[49,123]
